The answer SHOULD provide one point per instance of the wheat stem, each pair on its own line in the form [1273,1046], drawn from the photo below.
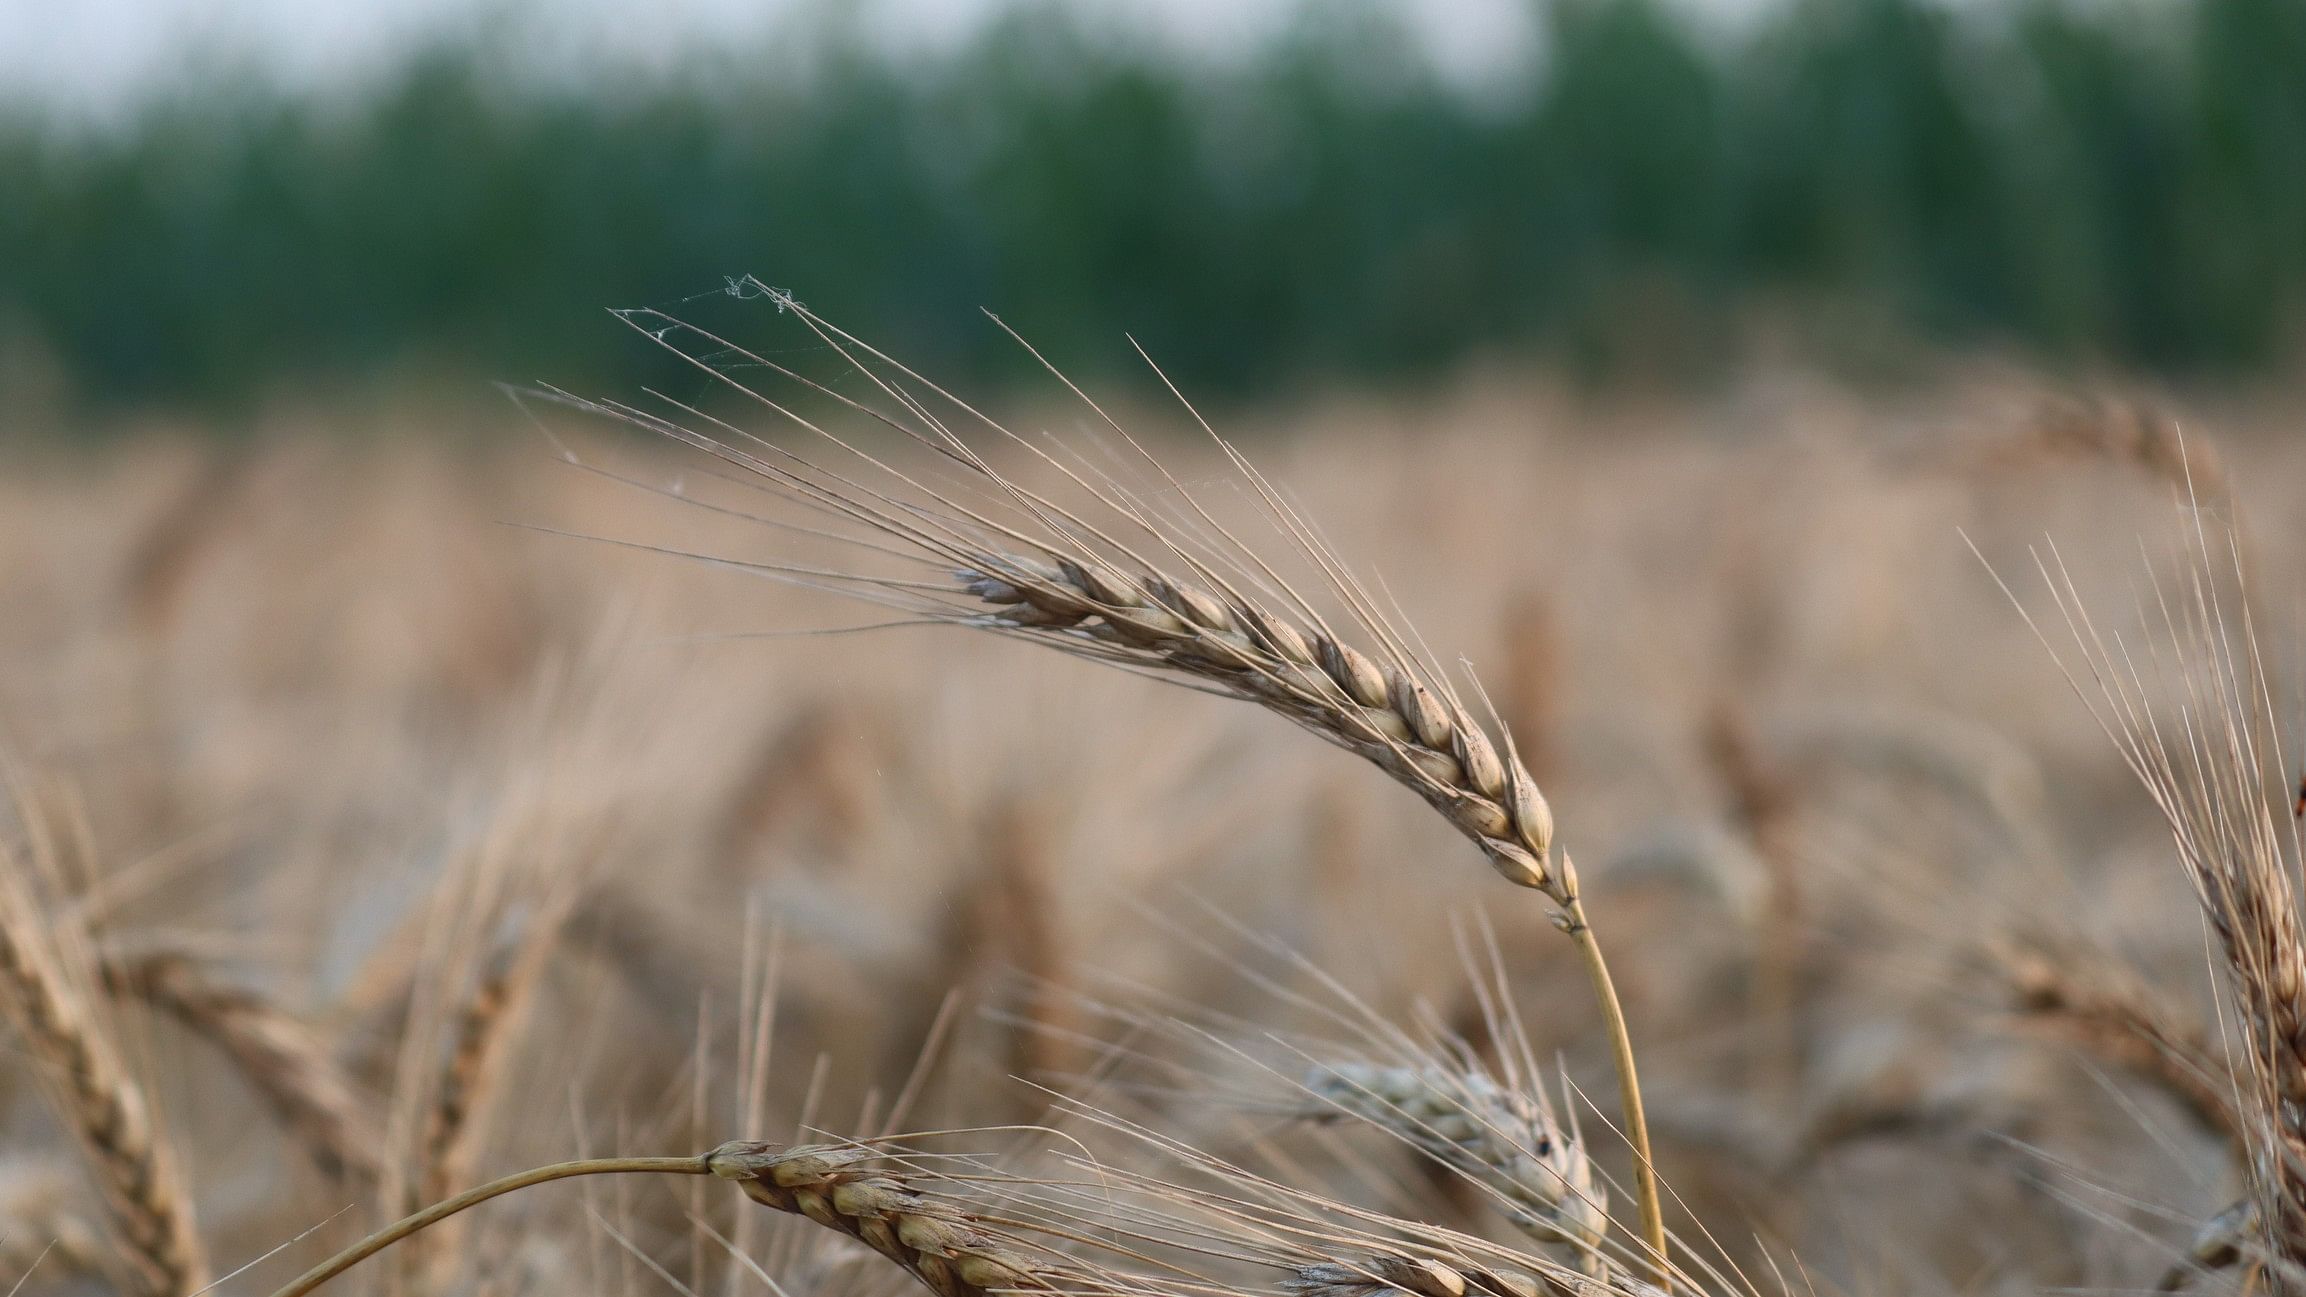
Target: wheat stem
[1573,922]
[447,1207]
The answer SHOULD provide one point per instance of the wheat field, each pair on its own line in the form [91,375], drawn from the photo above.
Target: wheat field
[384,818]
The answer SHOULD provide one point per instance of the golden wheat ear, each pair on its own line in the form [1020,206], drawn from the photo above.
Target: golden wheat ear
[2217,772]
[1140,574]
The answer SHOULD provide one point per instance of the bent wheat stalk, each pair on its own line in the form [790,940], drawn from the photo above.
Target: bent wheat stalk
[1168,593]
[418,1222]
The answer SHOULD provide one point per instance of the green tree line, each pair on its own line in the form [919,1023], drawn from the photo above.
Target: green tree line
[2100,181]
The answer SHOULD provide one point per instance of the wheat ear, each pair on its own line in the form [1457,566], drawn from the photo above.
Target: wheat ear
[1186,603]
[151,1217]
[279,1055]
[849,1188]
[1507,1143]
[2103,1010]
[486,1029]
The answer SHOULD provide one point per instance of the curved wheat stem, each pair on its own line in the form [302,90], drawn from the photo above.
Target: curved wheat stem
[417,1223]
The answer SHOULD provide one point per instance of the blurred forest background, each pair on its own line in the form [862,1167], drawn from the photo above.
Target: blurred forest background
[2101,184]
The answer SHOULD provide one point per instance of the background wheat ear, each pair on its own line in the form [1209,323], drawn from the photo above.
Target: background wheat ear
[47,981]
[279,1055]
[1506,1143]
[2101,1007]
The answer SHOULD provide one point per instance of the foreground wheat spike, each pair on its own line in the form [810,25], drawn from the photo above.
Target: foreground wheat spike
[158,1252]
[1165,591]
[850,1189]
[1506,1142]
[280,1057]
[2218,776]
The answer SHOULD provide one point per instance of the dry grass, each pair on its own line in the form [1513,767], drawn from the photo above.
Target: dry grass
[411,850]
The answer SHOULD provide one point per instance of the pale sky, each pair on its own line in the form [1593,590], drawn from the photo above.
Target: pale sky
[91,58]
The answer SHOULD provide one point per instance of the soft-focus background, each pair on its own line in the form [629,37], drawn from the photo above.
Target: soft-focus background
[1676,364]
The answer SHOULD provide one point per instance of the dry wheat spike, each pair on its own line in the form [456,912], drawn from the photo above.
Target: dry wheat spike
[1165,591]
[2100,1007]
[279,1055]
[2216,773]
[851,1189]
[1507,1143]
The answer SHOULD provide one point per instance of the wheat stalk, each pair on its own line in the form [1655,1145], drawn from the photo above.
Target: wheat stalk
[151,1217]
[278,1055]
[1186,603]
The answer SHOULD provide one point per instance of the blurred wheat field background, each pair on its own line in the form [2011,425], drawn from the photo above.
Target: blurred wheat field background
[1806,492]
[309,719]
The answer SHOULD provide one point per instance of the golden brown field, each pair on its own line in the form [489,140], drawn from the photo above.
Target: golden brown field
[381,848]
